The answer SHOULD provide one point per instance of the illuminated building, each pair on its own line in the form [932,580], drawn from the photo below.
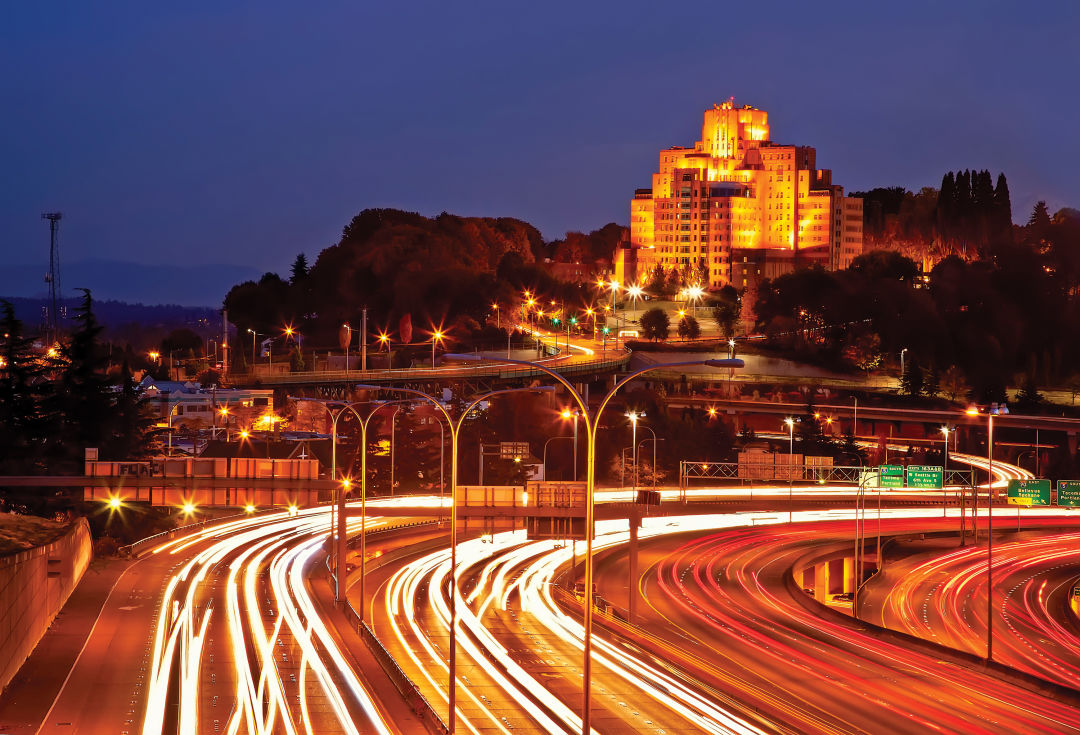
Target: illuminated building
[737,207]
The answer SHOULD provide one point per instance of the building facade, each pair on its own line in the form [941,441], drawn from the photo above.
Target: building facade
[738,207]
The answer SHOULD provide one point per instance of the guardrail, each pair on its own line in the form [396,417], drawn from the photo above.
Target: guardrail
[405,686]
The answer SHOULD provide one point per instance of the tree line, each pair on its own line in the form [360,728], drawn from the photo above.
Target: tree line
[970,328]
[55,401]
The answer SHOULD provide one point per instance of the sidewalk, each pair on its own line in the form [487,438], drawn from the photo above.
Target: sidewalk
[27,699]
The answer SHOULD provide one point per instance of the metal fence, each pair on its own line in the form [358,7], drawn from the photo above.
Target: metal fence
[835,475]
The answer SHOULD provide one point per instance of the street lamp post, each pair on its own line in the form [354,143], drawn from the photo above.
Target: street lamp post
[592,422]
[436,337]
[654,440]
[254,356]
[455,432]
[944,473]
[790,422]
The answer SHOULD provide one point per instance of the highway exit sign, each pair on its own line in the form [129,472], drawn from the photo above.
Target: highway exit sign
[890,475]
[925,477]
[1029,492]
[1069,493]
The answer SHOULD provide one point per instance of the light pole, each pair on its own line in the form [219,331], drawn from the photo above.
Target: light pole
[944,473]
[455,432]
[254,356]
[566,414]
[654,440]
[634,416]
[592,422]
[171,410]
[790,422]
[902,363]
[634,292]
[860,532]
[393,424]
[436,337]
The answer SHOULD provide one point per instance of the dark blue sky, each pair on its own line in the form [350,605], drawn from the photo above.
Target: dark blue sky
[245,132]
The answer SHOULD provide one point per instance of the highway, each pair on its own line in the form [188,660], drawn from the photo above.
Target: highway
[219,632]
[718,605]
[938,592]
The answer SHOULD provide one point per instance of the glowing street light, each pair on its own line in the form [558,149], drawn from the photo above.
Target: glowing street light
[436,337]
[249,508]
[115,503]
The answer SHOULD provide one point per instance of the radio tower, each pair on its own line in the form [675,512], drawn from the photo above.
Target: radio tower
[52,316]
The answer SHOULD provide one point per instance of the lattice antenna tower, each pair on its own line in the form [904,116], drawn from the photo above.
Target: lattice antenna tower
[52,317]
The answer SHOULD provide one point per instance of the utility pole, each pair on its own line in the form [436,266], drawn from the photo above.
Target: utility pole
[363,343]
[52,318]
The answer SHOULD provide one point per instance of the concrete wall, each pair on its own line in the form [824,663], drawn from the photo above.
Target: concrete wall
[34,585]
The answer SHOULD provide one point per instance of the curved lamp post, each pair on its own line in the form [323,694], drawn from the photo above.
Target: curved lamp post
[592,421]
[455,432]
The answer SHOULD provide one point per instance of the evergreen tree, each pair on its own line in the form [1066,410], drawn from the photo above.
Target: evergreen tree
[911,382]
[85,398]
[946,206]
[931,381]
[132,422]
[673,281]
[1039,221]
[1003,204]
[24,426]
[299,269]
[1028,396]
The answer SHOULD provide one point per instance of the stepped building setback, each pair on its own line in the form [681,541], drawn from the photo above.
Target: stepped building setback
[738,207]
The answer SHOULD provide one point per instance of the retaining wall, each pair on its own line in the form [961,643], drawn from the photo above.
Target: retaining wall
[34,585]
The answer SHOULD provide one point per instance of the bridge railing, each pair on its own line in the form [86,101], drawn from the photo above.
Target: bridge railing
[485,370]
[822,475]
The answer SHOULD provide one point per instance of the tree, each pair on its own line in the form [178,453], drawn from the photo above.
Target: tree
[657,283]
[1038,224]
[1073,384]
[296,360]
[299,269]
[1028,396]
[689,328]
[726,309]
[911,382]
[931,381]
[655,324]
[84,398]
[953,383]
[862,348]
[24,425]
[132,436]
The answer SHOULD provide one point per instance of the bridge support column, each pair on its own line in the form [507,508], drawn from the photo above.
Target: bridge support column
[849,574]
[821,582]
[635,521]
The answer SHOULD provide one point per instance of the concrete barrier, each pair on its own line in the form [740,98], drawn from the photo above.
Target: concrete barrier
[34,585]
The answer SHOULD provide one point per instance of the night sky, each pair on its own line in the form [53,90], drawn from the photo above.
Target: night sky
[246,132]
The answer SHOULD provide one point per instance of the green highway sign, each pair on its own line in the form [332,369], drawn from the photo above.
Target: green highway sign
[1069,493]
[1029,492]
[890,475]
[925,477]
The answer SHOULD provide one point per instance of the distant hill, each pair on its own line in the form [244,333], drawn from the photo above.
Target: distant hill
[184,284]
[135,324]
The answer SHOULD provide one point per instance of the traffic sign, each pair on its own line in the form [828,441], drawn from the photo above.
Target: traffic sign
[513,450]
[891,475]
[1069,493]
[1029,492]
[925,477]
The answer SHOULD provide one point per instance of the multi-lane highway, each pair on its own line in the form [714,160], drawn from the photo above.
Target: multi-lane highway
[938,591]
[224,631]
[219,632]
